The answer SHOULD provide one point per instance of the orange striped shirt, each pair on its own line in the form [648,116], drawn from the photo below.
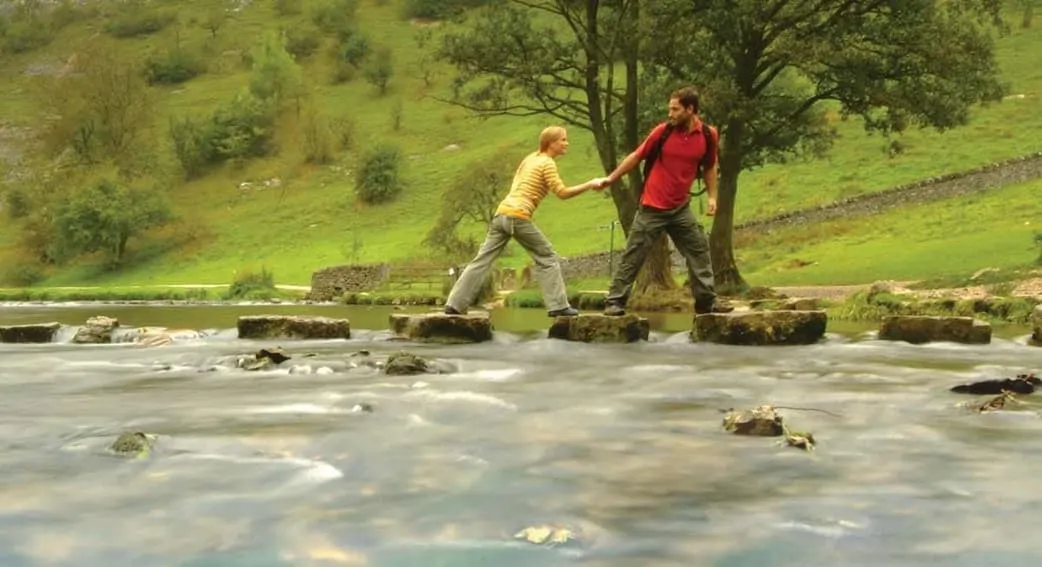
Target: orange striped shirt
[534,179]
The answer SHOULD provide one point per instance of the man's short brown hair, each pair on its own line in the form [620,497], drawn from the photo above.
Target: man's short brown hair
[687,97]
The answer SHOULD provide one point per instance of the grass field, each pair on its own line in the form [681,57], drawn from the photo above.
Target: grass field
[313,219]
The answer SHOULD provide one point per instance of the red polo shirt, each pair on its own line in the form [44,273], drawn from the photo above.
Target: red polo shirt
[669,183]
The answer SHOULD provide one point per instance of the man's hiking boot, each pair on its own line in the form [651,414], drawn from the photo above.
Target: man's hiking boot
[566,312]
[450,310]
[614,310]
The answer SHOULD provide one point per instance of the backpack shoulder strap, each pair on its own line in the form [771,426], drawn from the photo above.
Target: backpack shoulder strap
[656,150]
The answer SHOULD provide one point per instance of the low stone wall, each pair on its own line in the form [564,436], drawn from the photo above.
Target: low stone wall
[597,264]
[990,176]
[331,283]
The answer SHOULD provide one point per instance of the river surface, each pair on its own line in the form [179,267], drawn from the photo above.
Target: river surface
[621,445]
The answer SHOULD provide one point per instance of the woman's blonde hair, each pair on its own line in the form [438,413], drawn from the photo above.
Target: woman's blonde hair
[549,135]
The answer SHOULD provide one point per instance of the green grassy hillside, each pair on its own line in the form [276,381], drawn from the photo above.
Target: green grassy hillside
[313,219]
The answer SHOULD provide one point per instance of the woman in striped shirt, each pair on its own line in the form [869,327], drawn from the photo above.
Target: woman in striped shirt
[535,178]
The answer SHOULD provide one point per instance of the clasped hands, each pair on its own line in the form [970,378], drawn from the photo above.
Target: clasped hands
[598,183]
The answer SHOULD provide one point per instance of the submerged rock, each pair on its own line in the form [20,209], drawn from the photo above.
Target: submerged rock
[761,328]
[546,535]
[276,355]
[405,364]
[35,333]
[918,329]
[135,444]
[800,440]
[97,330]
[997,403]
[292,327]
[760,421]
[1036,320]
[1022,384]
[596,328]
[441,328]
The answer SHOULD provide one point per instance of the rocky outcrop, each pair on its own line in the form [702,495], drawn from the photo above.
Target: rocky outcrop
[925,329]
[292,327]
[440,328]
[97,330]
[595,328]
[761,328]
[1036,335]
[36,333]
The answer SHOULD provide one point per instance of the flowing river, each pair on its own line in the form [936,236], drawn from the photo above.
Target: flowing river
[619,445]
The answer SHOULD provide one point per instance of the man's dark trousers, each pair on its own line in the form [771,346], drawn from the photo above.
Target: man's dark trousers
[690,240]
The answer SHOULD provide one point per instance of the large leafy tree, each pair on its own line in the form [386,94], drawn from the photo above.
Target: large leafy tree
[576,61]
[769,69]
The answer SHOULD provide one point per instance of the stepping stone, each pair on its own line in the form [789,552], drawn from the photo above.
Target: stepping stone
[97,330]
[441,328]
[1036,336]
[36,333]
[292,327]
[596,328]
[918,329]
[761,328]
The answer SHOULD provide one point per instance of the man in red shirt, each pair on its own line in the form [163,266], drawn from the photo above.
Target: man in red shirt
[665,202]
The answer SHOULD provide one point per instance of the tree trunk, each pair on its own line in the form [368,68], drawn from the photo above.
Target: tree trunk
[656,274]
[721,246]
[1029,14]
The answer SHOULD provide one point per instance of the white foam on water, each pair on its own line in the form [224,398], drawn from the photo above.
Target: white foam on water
[312,471]
[501,375]
[462,396]
[307,408]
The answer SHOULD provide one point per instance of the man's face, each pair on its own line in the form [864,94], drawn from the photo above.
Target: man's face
[678,114]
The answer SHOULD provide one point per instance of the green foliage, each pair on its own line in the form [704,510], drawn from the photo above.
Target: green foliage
[248,284]
[275,75]
[302,40]
[104,216]
[240,129]
[379,179]
[439,9]
[319,136]
[138,20]
[474,194]
[25,35]
[18,203]
[380,68]
[334,17]
[103,108]
[173,66]
[289,7]
[349,53]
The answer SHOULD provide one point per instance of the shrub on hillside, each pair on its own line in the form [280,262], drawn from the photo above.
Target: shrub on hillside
[302,40]
[238,130]
[173,67]
[23,36]
[349,53]
[438,9]
[248,284]
[334,17]
[379,178]
[289,7]
[138,22]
